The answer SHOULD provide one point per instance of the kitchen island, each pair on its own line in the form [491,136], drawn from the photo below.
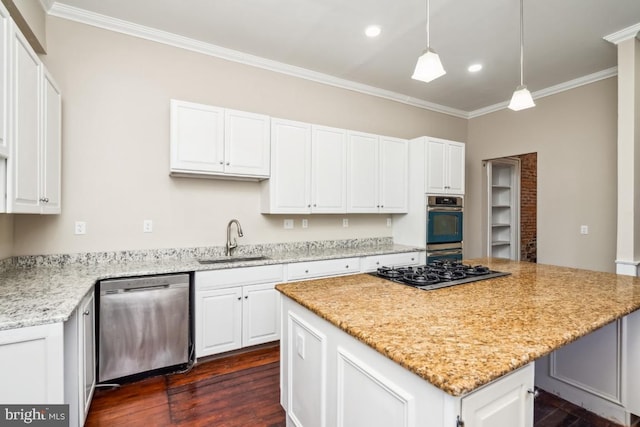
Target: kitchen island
[459,342]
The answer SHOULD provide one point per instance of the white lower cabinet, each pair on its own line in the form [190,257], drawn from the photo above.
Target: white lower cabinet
[591,372]
[230,315]
[80,360]
[373,262]
[324,268]
[31,365]
[331,379]
[507,402]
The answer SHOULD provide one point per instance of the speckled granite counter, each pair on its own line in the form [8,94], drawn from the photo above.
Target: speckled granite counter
[37,290]
[462,337]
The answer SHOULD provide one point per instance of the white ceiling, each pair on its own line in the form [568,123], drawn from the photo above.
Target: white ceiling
[563,39]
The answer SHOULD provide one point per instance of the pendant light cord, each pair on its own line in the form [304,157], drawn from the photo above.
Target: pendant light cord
[427,16]
[521,42]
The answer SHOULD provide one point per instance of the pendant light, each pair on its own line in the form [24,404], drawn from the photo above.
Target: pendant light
[521,98]
[429,66]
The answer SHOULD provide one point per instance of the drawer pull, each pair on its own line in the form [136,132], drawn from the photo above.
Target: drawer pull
[534,391]
[86,312]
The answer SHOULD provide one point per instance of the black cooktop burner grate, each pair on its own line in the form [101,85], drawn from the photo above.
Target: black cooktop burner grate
[438,274]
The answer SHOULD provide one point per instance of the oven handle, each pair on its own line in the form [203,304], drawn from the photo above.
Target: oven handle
[443,209]
[450,252]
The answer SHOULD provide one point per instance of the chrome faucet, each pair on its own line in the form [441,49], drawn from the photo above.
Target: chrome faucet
[230,245]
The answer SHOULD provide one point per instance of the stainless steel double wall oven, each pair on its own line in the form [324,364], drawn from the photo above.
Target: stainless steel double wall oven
[444,228]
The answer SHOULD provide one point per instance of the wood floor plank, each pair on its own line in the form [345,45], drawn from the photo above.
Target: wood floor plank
[243,390]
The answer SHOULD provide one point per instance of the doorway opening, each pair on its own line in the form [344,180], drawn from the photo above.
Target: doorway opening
[511,207]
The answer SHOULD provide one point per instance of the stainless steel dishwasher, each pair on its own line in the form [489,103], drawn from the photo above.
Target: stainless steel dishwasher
[144,325]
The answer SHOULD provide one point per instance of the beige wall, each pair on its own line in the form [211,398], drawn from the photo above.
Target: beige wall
[116,91]
[574,134]
[6,236]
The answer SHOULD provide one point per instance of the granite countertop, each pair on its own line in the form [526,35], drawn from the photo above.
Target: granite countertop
[38,290]
[462,337]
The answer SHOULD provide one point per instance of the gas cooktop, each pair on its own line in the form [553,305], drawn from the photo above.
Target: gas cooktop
[438,274]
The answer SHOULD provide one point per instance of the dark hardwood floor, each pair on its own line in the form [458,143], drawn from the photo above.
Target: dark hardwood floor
[242,390]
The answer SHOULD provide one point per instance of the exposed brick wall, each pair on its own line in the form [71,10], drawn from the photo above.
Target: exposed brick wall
[528,206]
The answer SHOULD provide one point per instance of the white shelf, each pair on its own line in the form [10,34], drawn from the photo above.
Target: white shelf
[501,243]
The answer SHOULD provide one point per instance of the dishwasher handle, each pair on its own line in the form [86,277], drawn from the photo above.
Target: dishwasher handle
[114,286]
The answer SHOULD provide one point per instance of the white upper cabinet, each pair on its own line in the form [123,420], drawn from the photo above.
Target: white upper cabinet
[308,169]
[5,23]
[377,174]
[217,142]
[394,174]
[289,188]
[50,146]
[363,157]
[319,169]
[197,138]
[23,188]
[246,143]
[33,167]
[445,166]
[328,170]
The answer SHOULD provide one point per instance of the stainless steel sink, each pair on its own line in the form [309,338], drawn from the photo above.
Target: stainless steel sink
[231,259]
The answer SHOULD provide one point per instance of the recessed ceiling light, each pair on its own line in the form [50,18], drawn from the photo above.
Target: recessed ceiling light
[373,31]
[474,68]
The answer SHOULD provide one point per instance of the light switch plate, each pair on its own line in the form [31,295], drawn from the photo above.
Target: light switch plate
[345,222]
[288,224]
[147,226]
[305,223]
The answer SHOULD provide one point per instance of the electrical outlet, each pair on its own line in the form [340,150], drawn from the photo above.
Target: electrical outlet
[305,223]
[147,226]
[345,222]
[288,224]
[80,227]
[388,222]
[584,229]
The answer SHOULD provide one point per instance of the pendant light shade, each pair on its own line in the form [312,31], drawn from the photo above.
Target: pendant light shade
[521,98]
[429,66]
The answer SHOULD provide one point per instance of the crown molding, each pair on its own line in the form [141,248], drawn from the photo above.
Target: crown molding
[125,27]
[552,90]
[623,34]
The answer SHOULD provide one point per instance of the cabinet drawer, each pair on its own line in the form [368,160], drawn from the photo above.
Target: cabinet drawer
[373,262]
[331,267]
[239,276]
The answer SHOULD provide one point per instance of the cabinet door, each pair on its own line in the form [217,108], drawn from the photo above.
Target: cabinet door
[631,346]
[328,170]
[362,172]
[435,163]
[246,143]
[394,175]
[218,321]
[24,186]
[197,138]
[32,365]
[50,149]
[5,23]
[504,403]
[289,188]
[260,314]
[87,355]
[455,165]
